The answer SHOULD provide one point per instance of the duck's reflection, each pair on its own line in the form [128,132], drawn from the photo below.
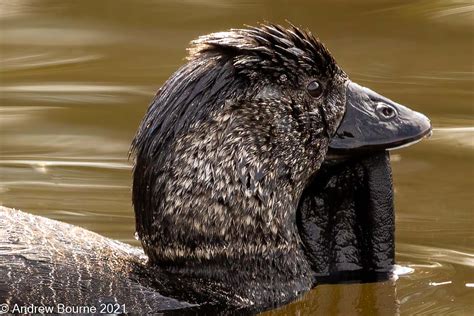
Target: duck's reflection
[379,298]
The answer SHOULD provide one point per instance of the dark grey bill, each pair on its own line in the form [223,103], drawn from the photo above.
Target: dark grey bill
[374,122]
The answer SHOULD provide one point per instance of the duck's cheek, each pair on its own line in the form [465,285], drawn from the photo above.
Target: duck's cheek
[333,112]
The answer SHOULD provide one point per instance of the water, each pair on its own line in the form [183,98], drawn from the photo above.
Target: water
[76,78]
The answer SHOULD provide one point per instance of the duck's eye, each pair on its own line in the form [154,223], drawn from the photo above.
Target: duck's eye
[314,88]
[385,111]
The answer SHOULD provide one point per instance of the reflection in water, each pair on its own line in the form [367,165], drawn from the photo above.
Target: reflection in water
[76,78]
[41,60]
[444,11]
[436,255]
[73,93]
[348,299]
[455,136]
[440,283]
[49,36]
[438,272]
[77,87]
[43,165]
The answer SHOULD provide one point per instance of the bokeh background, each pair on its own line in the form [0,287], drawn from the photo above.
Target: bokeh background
[77,76]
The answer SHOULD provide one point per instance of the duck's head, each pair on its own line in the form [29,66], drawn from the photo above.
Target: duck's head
[227,161]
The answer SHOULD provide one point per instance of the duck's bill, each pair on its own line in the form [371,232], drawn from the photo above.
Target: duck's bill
[373,122]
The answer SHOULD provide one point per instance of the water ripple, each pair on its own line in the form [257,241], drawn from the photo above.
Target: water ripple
[73,92]
[90,164]
[22,184]
[436,256]
[449,11]
[44,36]
[41,60]
[422,80]
[455,136]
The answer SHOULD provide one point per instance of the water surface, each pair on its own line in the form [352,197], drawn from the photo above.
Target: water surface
[77,76]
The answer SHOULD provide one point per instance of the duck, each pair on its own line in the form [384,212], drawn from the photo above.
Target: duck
[260,171]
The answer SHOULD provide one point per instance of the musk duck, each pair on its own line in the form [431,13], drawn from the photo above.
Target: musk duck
[260,170]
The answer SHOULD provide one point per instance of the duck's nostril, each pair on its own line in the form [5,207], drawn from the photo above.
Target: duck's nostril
[347,134]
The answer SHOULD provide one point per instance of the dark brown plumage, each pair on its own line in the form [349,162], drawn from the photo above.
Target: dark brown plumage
[224,153]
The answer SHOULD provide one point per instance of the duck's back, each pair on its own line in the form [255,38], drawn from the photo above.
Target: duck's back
[47,263]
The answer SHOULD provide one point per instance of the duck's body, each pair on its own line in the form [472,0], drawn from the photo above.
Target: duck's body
[230,206]
[44,262]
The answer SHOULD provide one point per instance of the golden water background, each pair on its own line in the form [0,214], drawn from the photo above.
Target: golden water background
[77,76]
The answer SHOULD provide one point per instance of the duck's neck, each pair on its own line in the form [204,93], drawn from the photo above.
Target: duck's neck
[242,259]
[222,206]
[249,246]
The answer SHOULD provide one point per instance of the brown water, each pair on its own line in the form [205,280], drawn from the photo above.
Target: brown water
[77,76]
